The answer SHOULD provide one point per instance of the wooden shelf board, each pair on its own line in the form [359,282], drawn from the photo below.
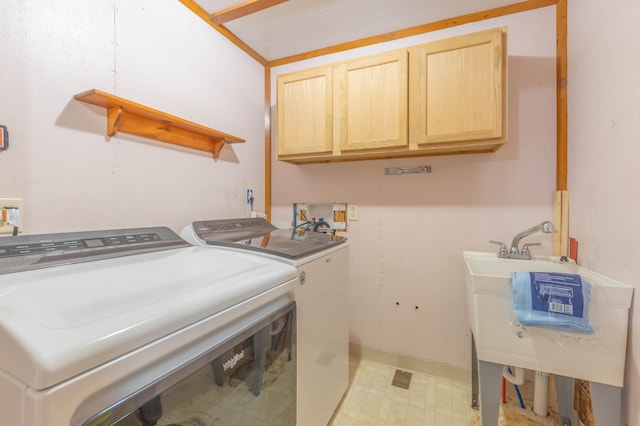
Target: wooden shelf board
[131,117]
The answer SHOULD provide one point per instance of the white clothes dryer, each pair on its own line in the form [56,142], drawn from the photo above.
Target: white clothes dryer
[104,327]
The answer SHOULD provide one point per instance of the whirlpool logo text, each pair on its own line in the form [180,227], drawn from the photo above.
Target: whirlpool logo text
[230,363]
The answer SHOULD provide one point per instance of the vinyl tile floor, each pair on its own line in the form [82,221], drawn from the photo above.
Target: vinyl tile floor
[372,399]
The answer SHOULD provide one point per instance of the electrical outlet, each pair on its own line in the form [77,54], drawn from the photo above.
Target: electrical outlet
[352,212]
[12,202]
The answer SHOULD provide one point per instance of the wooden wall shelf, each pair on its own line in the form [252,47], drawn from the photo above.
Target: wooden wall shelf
[130,117]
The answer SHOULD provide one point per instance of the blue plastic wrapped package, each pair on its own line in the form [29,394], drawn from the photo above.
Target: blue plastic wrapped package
[552,300]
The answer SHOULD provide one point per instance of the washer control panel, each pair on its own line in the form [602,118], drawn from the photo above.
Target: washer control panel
[232,229]
[45,250]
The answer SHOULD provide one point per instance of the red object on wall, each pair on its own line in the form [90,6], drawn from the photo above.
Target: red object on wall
[573,249]
[4,137]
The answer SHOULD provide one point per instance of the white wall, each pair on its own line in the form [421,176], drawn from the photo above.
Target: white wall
[407,246]
[604,149]
[154,52]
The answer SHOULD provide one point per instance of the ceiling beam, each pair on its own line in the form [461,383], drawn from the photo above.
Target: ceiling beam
[242,9]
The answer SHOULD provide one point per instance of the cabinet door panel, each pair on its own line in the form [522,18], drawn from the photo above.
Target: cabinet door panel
[458,89]
[304,112]
[371,101]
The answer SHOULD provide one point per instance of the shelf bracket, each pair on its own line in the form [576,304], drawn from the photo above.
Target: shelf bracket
[218,143]
[114,118]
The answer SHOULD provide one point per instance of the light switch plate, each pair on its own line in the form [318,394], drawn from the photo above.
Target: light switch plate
[12,202]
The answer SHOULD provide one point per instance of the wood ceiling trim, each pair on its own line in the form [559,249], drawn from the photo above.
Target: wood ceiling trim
[242,9]
[420,29]
[204,15]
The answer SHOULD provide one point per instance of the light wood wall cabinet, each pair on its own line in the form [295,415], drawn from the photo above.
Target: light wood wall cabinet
[457,89]
[371,102]
[305,113]
[442,97]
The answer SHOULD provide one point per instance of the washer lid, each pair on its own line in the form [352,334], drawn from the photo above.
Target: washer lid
[58,322]
[259,235]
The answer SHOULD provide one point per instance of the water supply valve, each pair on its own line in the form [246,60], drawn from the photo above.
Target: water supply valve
[503,248]
[525,247]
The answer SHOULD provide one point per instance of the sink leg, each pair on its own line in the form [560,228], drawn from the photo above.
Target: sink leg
[565,391]
[606,403]
[490,385]
[474,375]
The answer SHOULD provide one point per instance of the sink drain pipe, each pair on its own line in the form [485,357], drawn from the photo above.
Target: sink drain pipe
[541,394]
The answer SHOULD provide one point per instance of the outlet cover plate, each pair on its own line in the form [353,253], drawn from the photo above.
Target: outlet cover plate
[352,212]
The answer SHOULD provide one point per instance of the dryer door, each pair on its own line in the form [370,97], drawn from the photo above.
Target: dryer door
[250,378]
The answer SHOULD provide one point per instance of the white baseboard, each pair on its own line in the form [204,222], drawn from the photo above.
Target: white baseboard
[409,363]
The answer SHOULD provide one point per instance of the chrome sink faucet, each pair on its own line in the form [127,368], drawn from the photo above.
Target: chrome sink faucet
[546,227]
[514,252]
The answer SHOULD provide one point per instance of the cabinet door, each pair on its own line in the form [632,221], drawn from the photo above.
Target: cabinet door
[304,112]
[458,89]
[371,101]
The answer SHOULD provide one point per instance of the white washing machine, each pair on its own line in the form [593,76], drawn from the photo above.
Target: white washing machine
[112,327]
[322,261]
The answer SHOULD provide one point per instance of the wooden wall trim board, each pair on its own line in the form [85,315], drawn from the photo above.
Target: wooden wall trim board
[560,236]
[267,142]
[561,97]
[420,29]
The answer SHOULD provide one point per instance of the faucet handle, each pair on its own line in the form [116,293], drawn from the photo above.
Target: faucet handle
[525,247]
[503,248]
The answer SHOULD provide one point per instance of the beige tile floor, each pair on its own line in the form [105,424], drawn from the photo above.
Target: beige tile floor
[371,399]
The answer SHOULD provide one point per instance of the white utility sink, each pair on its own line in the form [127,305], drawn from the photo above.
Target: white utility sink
[499,338]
